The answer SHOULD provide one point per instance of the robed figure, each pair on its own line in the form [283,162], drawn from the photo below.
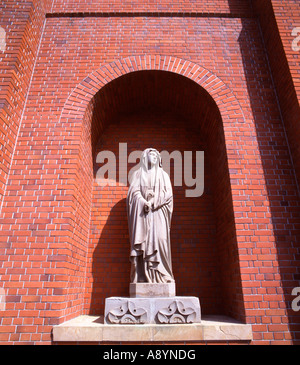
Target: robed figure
[149,210]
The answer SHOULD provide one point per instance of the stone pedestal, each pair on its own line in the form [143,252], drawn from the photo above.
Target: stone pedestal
[151,303]
[146,290]
[159,310]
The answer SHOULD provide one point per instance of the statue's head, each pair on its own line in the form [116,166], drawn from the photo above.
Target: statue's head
[153,157]
[150,158]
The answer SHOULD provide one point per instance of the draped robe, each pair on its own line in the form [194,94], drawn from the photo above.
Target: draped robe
[150,232]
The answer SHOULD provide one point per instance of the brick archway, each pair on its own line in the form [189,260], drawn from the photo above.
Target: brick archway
[75,120]
[230,110]
[81,95]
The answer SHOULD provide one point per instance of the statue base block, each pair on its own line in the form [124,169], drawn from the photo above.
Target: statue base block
[152,310]
[146,290]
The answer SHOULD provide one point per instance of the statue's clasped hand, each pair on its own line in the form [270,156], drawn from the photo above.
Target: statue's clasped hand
[147,207]
[149,204]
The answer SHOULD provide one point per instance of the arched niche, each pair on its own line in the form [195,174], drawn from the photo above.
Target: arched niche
[162,98]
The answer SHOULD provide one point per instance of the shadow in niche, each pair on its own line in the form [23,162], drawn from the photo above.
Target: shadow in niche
[110,263]
[195,256]
[203,240]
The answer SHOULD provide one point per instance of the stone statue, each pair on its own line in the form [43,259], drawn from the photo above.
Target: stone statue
[149,210]
[152,289]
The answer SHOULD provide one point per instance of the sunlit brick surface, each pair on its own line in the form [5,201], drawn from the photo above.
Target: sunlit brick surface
[80,76]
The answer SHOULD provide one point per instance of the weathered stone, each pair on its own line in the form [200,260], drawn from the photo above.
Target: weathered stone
[146,290]
[159,310]
[92,329]
[149,211]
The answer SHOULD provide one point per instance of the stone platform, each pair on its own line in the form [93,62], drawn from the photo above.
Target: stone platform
[152,310]
[92,329]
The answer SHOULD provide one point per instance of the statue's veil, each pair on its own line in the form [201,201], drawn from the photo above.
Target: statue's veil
[144,171]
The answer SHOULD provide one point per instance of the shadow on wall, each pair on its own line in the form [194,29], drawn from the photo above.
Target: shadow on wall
[194,251]
[276,207]
[110,263]
[203,240]
[194,257]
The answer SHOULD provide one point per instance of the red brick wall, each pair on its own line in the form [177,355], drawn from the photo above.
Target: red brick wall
[277,21]
[48,234]
[112,6]
[287,17]
[23,27]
